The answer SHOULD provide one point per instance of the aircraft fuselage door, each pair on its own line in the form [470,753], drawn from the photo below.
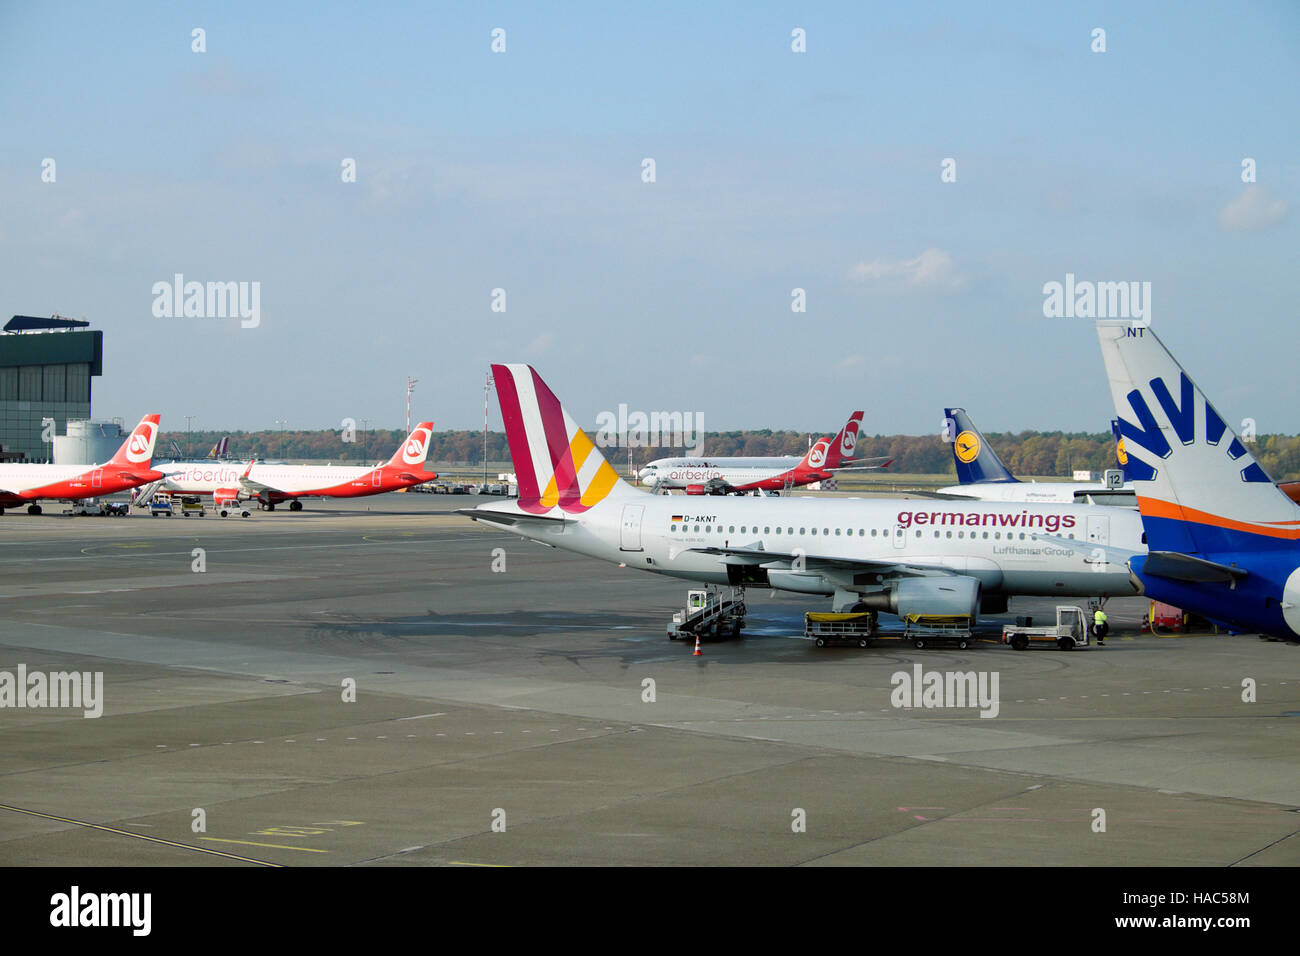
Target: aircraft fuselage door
[900,536]
[377,477]
[1098,529]
[630,538]
[97,478]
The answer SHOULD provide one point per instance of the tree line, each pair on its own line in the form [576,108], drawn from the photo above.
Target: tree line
[1029,453]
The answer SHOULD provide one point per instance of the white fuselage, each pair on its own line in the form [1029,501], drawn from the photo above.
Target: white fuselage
[206,477]
[25,477]
[680,473]
[992,542]
[1045,492]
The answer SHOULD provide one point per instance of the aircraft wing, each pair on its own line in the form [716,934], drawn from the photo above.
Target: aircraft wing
[257,487]
[942,496]
[1106,496]
[865,464]
[1186,567]
[509,520]
[782,560]
[1090,549]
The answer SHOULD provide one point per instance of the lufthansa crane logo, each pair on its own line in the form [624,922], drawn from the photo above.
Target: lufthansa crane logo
[967,447]
[1121,452]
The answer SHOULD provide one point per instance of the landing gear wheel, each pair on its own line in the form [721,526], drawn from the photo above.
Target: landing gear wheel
[1065,643]
[33,509]
[295,505]
[918,642]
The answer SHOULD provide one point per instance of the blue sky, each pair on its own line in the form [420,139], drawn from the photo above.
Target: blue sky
[775,170]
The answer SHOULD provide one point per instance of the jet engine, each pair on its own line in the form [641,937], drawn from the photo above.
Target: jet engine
[947,595]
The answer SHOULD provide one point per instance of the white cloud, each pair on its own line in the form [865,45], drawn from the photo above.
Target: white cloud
[1254,210]
[541,344]
[932,269]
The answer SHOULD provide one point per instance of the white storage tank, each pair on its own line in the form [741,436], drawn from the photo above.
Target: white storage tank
[88,442]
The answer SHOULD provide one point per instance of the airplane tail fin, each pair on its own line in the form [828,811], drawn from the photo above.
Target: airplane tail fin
[555,462]
[974,457]
[1201,489]
[412,452]
[845,443]
[218,450]
[819,454]
[1131,467]
[137,450]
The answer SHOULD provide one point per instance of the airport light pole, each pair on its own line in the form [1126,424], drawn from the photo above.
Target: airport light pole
[410,387]
[281,422]
[487,390]
[365,439]
[189,443]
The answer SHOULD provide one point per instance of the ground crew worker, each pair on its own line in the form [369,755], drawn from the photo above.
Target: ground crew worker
[1099,625]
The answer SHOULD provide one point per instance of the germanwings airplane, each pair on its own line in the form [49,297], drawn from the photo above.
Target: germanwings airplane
[982,475]
[1224,540]
[725,476]
[270,485]
[130,467]
[894,555]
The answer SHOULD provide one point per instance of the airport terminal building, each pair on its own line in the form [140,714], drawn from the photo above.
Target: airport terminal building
[46,367]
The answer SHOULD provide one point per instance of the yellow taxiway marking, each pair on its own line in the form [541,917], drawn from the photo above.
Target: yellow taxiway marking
[501,866]
[274,846]
[138,836]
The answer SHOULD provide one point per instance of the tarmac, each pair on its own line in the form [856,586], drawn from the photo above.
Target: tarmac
[524,707]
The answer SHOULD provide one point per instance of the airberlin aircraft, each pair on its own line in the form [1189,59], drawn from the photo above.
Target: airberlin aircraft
[726,476]
[28,483]
[901,556]
[270,485]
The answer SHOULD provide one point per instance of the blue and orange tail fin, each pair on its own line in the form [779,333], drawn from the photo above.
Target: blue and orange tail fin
[1199,488]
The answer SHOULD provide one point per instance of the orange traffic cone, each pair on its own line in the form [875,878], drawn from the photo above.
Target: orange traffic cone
[697,647]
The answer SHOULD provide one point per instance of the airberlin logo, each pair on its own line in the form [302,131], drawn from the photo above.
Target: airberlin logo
[850,439]
[140,445]
[416,448]
[817,457]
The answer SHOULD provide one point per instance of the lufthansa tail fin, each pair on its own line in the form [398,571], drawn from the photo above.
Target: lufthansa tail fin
[555,462]
[975,459]
[1200,490]
[137,451]
[844,444]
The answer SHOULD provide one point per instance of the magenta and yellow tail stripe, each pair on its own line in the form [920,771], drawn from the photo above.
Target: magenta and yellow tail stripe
[556,463]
